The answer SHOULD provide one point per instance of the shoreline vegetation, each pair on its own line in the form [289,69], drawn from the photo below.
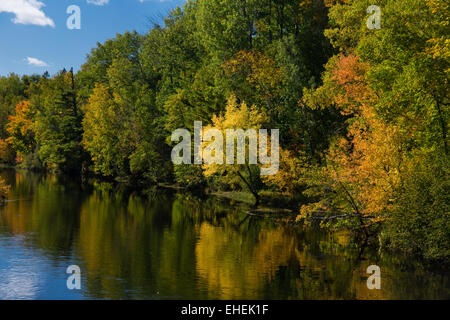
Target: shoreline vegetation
[362,113]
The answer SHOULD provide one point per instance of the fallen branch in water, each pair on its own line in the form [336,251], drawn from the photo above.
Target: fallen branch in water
[341,216]
[272,214]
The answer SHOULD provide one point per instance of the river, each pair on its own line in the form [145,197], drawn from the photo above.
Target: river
[168,245]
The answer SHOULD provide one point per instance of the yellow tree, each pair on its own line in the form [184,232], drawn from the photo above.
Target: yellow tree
[103,125]
[238,116]
[289,179]
[21,129]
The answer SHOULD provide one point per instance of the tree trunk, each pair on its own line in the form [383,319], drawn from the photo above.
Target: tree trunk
[256,195]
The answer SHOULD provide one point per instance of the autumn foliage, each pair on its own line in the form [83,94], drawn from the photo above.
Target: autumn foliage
[362,113]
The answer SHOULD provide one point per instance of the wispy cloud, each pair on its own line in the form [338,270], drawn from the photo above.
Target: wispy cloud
[26,12]
[36,62]
[98,2]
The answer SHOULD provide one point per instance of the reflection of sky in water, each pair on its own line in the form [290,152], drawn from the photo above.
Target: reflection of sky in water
[18,271]
[25,273]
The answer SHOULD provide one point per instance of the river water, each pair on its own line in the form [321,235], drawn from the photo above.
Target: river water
[176,246]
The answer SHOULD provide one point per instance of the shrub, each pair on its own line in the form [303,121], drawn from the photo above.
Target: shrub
[420,221]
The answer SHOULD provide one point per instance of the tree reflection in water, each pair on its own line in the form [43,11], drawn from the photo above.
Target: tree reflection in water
[170,246]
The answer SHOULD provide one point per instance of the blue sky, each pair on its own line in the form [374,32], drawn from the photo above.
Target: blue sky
[34,36]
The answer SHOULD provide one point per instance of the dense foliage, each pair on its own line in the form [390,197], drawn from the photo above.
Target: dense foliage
[362,113]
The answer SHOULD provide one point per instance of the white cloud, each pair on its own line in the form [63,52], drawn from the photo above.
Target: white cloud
[98,2]
[26,12]
[36,62]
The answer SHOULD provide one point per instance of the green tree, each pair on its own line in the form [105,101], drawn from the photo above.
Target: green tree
[58,123]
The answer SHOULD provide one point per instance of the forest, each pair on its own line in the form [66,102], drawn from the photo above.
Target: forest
[362,112]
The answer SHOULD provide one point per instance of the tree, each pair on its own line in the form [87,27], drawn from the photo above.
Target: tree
[12,91]
[21,128]
[238,116]
[390,85]
[254,77]
[101,126]
[58,123]
[363,167]
[226,27]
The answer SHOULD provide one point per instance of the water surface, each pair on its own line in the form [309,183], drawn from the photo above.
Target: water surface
[177,246]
